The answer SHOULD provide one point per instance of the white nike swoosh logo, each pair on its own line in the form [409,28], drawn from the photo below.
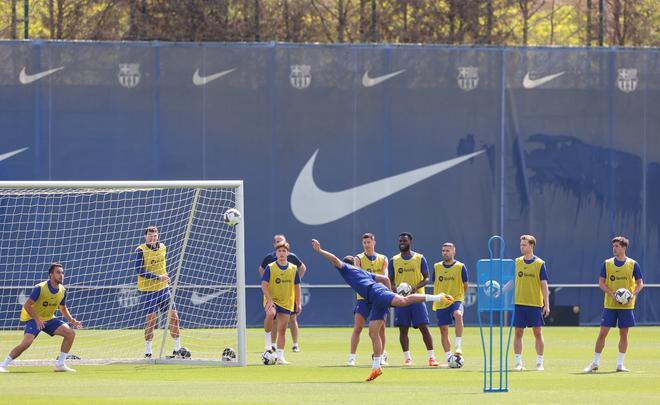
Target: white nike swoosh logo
[313,206]
[530,84]
[203,80]
[197,299]
[25,78]
[370,82]
[7,155]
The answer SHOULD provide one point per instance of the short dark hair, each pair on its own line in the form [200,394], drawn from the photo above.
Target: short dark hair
[407,234]
[151,229]
[621,241]
[284,245]
[369,235]
[53,266]
[349,259]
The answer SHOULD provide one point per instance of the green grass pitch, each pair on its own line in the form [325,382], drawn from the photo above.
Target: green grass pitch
[318,375]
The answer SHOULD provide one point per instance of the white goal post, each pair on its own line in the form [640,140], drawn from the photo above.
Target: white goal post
[94,228]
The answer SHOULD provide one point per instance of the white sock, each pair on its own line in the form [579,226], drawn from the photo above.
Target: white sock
[269,340]
[539,359]
[280,353]
[619,359]
[61,358]
[596,358]
[8,360]
[430,297]
[147,343]
[352,357]
[406,355]
[448,355]
[177,343]
[459,340]
[431,354]
[518,358]
[376,362]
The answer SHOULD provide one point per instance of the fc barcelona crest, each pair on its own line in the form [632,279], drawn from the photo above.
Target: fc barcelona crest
[129,74]
[301,76]
[468,77]
[627,80]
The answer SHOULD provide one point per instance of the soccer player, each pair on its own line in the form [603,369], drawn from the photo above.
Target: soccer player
[618,272]
[39,313]
[411,267]
[280,284]
[293,319]
[531,300]
[450,276]
[154,288]
[376,263]
[377,290]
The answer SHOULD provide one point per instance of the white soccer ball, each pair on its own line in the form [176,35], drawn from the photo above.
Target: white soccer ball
[228,354]
[456,361]
[622,296]
[268,358]
[492,288]
[231,217]
[403,289]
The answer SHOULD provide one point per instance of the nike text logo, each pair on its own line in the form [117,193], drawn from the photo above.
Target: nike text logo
[202,80]
[25,78]
[530,84]
[313,206]
[197,299]
[370,82]
[12,153]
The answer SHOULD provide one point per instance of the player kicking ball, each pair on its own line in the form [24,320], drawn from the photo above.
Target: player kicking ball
[377,290]
[39,314]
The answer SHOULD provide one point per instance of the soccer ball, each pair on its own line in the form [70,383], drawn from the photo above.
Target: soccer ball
[456,361]
[492,288]
[622,296]
[228,354]
[184,353]
[231,217]
[403,289]
[268,358]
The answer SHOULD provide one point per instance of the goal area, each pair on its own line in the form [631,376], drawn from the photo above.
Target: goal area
[94,229]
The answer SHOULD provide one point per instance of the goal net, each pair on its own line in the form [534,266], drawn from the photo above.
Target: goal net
[94,229]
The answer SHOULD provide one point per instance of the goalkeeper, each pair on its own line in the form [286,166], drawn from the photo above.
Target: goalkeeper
[39,314]
[380,296]
[153,286]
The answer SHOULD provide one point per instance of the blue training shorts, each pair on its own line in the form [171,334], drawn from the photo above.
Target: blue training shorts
[415,315]
[49,327]
[363,307]
[381,300]
[625,317]
[528,317]
[446,315]
[156,301]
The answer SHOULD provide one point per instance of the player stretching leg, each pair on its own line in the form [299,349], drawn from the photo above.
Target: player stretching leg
[377,290]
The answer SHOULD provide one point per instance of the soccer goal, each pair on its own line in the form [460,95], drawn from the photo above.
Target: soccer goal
[94,229]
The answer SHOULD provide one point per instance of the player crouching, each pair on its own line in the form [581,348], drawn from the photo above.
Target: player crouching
[39,313]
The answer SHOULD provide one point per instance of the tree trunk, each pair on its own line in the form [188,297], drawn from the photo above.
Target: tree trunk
[341,21]
[14,33]
[489,22]
[257,21]
[60,18]
[589,14]
[285,16]
[374,21]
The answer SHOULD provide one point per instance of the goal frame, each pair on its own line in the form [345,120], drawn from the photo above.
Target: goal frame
[163,184]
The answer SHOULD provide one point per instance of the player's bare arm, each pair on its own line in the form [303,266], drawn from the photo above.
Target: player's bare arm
[639,284]
[546,295]
[65,311]
[327,255]
[33,314]
[384,280]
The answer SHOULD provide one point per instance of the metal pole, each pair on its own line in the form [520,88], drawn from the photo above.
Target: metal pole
[601,21]
[373,21]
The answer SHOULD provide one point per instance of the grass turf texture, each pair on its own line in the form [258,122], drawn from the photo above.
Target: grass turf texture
[318,374]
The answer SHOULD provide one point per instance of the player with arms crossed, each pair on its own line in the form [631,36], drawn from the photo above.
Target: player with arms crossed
[531,300]
[618,272]
[154,288]
[39,313]
[271,337]
[280,284]
[375,263]
[377,290]
[411,268]
[450,276]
